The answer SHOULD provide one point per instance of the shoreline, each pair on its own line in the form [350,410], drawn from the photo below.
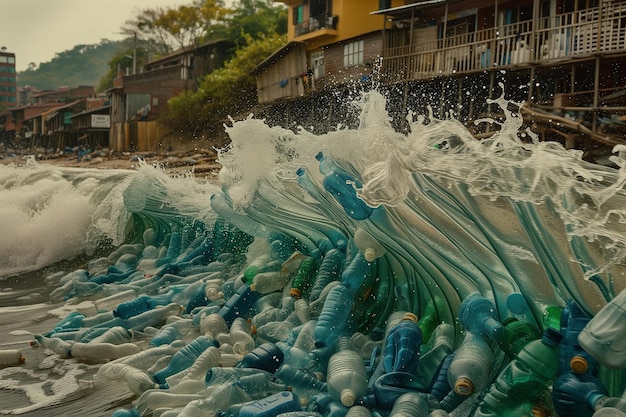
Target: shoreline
[202,163]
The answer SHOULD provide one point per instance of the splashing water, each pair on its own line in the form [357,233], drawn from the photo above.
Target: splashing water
[454,215]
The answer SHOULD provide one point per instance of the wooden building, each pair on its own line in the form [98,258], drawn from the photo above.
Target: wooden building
[564,59]
[137,100]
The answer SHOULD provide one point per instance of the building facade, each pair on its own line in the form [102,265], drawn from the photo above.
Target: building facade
[8,85]
[565,60]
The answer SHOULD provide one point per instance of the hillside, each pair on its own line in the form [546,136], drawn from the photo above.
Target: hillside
[82,65]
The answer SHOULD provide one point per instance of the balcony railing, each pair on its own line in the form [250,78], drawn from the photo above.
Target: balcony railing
[315,23]
[551,39]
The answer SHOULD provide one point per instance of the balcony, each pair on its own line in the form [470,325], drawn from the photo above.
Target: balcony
[316,26]
[547,40]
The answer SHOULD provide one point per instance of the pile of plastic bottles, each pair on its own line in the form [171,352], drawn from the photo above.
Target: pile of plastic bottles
[276,339]
[244,321]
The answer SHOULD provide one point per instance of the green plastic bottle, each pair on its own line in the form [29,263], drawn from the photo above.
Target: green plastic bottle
[517,334]
[524,379]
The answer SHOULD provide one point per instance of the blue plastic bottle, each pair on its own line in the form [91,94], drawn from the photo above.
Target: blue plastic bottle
[571,354]
[332,319]
[477,314]
[165,336]
[340,185]
[131,412]
[184,358]
[239,304]
[272,405]
[133,307]
[329,270]
[402,346]
[354,275]
[388,387]
[267,357]
[572,394]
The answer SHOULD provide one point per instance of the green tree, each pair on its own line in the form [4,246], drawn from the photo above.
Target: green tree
[168,29]
[228,91]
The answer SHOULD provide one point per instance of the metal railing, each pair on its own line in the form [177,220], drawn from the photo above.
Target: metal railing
[552,38]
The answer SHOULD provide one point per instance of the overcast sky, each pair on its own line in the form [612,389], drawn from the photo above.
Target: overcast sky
[35,30]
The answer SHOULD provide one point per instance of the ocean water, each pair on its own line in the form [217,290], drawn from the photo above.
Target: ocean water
[455,215]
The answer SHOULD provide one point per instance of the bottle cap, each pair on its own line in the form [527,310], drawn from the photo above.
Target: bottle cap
[410,316]
[348,397]
[463,387]
[579,364]
[369,254]
[22,359]
[295,293]
[253,287]
[539,412]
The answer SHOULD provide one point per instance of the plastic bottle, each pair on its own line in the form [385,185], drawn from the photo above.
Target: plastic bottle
[471,366]
[131,412]
[267,282]
[154,317]
[339,184]
[300,379]
[239,305]
[604,337]
[101,352]
[197,371]
[165,336]
[332,319]
[346,377]
[364,345]
[438,347]
[517,334]
[184,358]
[220,398]
[571,354]
[609,412]
[358,411]
[267,357]
[552,317]
[116,335]
[11,357]
[271,406]
[329,270]
[138,381]
[260,385]
[525,378]
[241,336]
[477,314]
[402,346]
[300,414]
[410,404]
[600,401]
[572,392]
[387,388]
[368,245]
[55,344]
[356,272]
[133,307]
[112,301]
[303,280]
[213,324]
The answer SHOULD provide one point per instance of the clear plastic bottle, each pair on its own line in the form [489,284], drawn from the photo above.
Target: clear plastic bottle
[358,411]
[219,397]
[154,317]
[213,324]
[477,314]
[59,346]
[267,282]
[184,358]
[410,404]
[272,405]
[604,337]
[346,377]
[471,366]
[138,381]
[241,336]
[364,345]
[116,335]
[102,352]
[335,312]
[402,346]
[197,371]
[112,301]
[441,344]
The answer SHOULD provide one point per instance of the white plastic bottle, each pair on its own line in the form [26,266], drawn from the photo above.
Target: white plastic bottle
[241,336]
[138,381]
[208,359]
[346,378]
[213,324]
[368,245]
[115,335]
[109,303]
[102,352]
[59,346]
[11,357]
[267,282]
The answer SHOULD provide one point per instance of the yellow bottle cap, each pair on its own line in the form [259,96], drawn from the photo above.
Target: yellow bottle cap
[348,398]
[410,316]
[463,387]
[579,364]
[295,293]
[539,412]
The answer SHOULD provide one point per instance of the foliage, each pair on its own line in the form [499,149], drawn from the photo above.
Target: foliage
[228,91]
[165,30]
[81,65]
[256,18]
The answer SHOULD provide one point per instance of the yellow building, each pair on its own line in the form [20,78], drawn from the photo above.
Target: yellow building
[330,41]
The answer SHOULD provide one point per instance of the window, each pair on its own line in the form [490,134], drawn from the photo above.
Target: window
[353,53]
[298,15]
[317,62]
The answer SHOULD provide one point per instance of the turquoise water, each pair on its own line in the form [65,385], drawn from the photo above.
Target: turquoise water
[455,215]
